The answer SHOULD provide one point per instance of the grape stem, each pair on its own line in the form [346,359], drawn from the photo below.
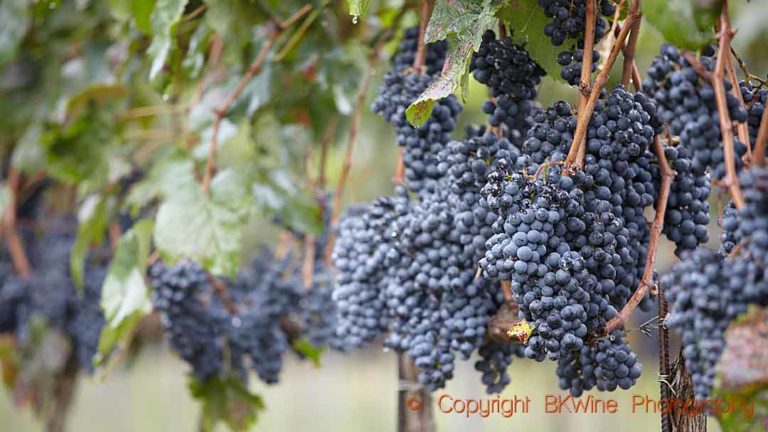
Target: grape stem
[585,80]
[421,50]
[220,289]
[398,179]
[612,33]
[663,306]
[742,129]
[747,75]
[221,111]
[353,131]
[12,238]
[277,27]
[578,147]
[731,181]
[665,389]
[308,266]
[506,287]
[629,65]
[667,175]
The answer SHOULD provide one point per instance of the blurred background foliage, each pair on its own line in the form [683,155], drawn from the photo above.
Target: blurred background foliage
[92,92]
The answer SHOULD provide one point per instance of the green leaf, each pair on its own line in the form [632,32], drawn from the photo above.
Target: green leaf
[706,13]
[92,224]
[234,19]
[463,22]
[165,18]
[142,14]
[674,19]
[205,228]
[306,349]
[28,155]
[358,8]
[124,295]
[169,172]
[15,20]
[96,94]
[526,21]
[226,399]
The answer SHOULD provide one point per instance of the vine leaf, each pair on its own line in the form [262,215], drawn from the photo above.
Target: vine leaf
[226,399]
[526,21]
[306,349]
[675,20]
[124,295]
[165,18]
[358,8]
[207,228]
[463,23]
[15,14]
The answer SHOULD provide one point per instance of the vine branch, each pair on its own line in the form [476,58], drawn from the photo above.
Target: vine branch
[12,238]
[353,131]
[421,50]
[221,111]
[731,179]
[629,66]
[585,114]
[742,128]
[585,80]
[667,175]
[277,28]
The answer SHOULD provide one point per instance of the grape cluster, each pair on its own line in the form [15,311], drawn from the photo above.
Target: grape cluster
[706,293]
[221,325]
[573,246]
[191,324]
[755,99]
[50,294]
[362,257]
[407,267]
[568,21]
[748,225]
[512,75]
[687,105]
[687,215]
[495,359]
[607,365]
[421,144]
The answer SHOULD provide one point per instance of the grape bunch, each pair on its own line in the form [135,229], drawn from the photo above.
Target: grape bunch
[748,226]
[686,103]
[607,365]
[568,21]
[687,215]
[362,256]
[512,75]
[708,289]
[421,144]
[220,325]
[193,326]
[755,99]
[50,294]
[573,246]
[706,293]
